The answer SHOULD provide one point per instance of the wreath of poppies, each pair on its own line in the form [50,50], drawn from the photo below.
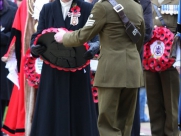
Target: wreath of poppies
[163,62]
[54,66]
[31,75]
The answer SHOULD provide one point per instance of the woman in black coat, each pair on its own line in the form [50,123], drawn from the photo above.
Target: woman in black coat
[7,13]
[64,103]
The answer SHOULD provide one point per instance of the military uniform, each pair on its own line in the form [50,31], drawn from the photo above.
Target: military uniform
[119,71]
[163,87]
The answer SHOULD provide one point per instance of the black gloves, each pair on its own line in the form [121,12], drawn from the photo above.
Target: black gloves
[37,50]
[94,48]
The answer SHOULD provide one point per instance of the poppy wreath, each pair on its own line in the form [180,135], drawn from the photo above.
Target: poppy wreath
[57,67]
[31,75]
[163,36]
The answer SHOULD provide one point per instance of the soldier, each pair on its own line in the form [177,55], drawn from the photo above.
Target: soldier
[116,77]
[163,86]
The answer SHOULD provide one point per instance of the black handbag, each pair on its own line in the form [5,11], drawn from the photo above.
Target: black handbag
[131,30]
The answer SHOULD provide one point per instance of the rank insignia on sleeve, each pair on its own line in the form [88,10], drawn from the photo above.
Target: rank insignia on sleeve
[91,16]
[90,22]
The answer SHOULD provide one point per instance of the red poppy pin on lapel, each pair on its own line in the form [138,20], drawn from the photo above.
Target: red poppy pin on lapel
[74,14]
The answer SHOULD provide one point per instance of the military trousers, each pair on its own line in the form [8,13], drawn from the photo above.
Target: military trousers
[116,111]
[163,97]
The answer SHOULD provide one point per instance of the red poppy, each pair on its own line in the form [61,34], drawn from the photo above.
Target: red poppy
[75,9]
[162,62]
[146,65]
[158,66]
[152,63]
[30,73]
[162,36]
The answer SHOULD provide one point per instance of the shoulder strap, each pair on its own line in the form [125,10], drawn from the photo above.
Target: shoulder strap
[131,30]
[119,9]
[159,15]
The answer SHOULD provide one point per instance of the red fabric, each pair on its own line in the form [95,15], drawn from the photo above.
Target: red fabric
[15,117]
[14,124]
[94,89]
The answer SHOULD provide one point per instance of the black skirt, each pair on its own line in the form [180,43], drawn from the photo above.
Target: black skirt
[64,104]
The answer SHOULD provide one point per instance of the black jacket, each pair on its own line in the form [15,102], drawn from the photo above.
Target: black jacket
[147,12]
[6,21]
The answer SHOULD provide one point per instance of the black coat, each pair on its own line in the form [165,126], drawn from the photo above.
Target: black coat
[64,103]
[147,13]
[6,21]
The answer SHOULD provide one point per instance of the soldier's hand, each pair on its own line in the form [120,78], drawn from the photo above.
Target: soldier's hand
[37,50]
[59,35]
[92,51]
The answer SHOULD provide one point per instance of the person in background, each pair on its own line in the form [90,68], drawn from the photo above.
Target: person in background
[7,13]
[143,101]
[116,78]
[147,13]
[163,86]
[64,104]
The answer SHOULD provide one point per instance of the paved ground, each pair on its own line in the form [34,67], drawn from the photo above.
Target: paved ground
[145,127]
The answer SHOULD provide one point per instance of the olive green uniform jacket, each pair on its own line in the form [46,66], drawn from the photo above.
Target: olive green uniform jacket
[119,60]
[170,20]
